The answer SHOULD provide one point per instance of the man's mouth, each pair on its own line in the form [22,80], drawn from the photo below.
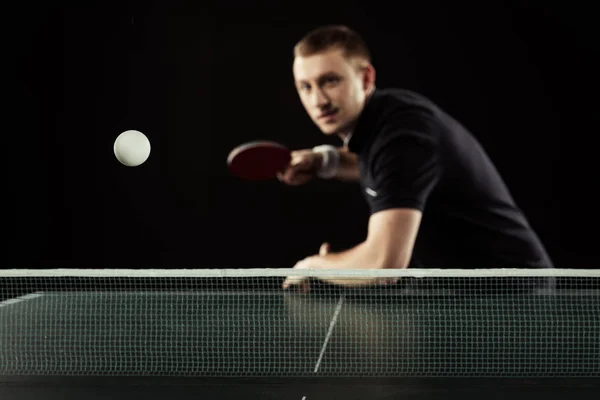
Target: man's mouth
[329,113]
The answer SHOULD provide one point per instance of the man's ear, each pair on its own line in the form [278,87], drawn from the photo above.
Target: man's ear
[368,77]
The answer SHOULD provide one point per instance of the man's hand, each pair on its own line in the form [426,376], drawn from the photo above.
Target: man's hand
[307,263]
[303,167]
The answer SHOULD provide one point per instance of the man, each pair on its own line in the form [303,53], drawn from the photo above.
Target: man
[436,199]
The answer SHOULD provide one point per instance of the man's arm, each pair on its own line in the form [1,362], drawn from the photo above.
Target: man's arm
[348,169]
[405,168]
[306,164]
[390,242]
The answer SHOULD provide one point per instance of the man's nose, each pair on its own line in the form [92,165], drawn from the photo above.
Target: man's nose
[319,98]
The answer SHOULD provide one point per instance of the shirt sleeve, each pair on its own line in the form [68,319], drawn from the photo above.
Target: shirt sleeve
[406,165]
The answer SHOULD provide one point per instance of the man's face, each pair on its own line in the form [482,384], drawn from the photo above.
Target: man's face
[332,89]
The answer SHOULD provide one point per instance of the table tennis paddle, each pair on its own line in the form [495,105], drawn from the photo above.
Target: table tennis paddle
[258,160]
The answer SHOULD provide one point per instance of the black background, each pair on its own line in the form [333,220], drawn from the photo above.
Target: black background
[199,78]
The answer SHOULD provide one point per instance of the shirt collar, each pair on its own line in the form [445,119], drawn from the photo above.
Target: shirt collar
[347,139]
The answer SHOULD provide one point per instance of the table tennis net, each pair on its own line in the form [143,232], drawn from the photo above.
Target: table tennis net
[241,323]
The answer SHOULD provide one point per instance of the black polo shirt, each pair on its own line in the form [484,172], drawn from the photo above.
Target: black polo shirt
[414,155]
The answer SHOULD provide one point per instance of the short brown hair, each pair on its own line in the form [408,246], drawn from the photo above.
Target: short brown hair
[333,37]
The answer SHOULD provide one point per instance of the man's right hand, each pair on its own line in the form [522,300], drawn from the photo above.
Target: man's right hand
[303,167]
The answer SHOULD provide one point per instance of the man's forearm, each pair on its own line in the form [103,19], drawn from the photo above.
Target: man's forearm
[358,257]
[348,169]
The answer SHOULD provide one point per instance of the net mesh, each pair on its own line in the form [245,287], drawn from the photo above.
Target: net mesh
[396,323]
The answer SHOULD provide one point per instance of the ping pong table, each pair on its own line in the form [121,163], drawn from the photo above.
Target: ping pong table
[299,346]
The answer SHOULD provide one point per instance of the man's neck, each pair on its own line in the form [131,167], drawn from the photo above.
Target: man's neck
[347,135]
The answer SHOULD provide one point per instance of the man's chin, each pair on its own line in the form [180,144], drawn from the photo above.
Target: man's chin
[330,129]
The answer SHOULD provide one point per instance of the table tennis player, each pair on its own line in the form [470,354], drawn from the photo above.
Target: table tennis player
[436,199]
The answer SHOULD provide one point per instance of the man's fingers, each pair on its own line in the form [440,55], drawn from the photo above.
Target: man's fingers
[287,283]
[300,170]
[297,161]
[303,160]
[296,280]
[324,250]
[305,287]
[293,178]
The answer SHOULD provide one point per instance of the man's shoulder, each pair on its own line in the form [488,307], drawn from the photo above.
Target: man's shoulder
[394,113]
[402,108]
[402,112]
[400,93]
[399,99]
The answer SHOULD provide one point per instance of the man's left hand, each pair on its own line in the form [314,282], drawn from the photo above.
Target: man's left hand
[307,263]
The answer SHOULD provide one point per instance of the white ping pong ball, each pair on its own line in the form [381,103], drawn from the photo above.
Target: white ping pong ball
[132,148]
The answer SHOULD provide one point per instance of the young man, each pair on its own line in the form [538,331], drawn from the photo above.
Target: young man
[435,197]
